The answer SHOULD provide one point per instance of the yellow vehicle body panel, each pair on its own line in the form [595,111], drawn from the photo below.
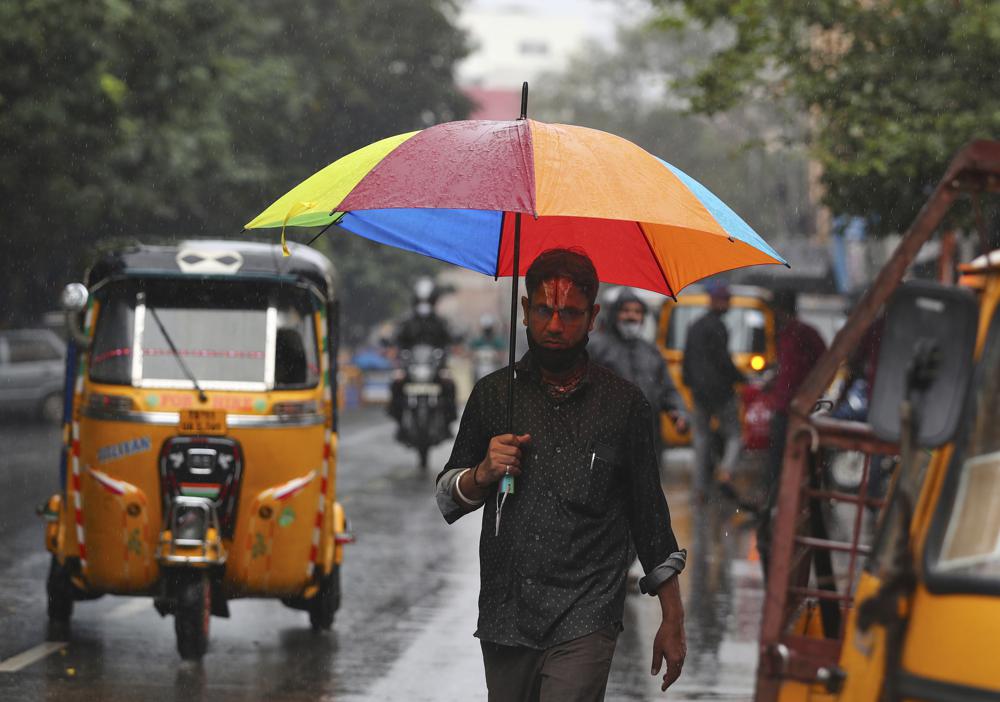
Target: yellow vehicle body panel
[954,638]
[862,655]
[265,556]
[794,691]
[675,357]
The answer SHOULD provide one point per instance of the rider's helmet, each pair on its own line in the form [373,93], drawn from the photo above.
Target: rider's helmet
[488,325]
[424,296]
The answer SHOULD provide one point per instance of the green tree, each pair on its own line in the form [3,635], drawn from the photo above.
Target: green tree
[138,120]
[893,87]
[625,91]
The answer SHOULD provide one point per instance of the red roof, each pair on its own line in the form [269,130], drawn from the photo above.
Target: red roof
[494,103]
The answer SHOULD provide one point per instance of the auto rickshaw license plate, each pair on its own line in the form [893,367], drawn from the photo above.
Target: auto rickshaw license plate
[422,389]
[203,422]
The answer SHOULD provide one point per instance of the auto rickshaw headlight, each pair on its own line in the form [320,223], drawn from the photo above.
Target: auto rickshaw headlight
[757,362]
[190,522]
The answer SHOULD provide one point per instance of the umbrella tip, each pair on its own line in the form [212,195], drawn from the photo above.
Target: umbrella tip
[524,100]
[788,265]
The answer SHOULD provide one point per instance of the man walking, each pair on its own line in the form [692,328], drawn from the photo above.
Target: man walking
[709,371]
[621,349]
[554,553]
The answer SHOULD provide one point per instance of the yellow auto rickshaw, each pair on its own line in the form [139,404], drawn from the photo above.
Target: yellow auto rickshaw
[751,340]
[200,450]
[908,609]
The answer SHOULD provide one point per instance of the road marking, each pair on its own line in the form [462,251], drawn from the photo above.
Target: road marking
[127,609]
[23,660]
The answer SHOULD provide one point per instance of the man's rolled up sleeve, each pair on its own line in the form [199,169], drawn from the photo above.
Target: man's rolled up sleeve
[445,495]
[468,451]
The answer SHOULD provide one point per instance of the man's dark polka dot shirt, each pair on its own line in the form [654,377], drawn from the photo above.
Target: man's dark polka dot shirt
[589,494]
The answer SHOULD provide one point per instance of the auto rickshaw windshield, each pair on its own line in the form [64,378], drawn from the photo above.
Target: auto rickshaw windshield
[967,537]
[231,335]
[745,325]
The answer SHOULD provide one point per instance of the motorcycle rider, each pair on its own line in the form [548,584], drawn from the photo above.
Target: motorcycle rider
[424,326]
[487,348]
[622,349]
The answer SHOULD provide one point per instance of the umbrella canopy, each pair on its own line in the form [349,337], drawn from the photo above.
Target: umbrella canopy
[457,190]
[475,192]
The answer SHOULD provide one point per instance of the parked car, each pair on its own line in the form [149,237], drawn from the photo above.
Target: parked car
[32,369]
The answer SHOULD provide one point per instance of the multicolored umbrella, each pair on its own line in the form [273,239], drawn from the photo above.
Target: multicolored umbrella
[455,192]
[491,195]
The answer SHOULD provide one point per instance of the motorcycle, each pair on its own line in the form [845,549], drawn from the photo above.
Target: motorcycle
[485,360]
[426,391]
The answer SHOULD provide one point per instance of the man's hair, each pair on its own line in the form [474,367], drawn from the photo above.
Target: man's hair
[718,290]
[573,264]
[786,300]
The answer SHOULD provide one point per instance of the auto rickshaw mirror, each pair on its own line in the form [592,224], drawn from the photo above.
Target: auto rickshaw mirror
[73,300]
[74,297]
[926,354]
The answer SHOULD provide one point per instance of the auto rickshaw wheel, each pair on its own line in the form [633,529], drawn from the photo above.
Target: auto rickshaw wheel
[60,592]
[422,452]
[325,604]
[193,614]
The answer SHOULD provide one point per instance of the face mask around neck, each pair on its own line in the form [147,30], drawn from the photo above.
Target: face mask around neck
[557,360]
[630,329]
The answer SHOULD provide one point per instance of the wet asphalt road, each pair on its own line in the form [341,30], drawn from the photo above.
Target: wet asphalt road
[404,630]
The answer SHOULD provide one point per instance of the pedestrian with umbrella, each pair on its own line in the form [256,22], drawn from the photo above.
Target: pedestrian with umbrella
[480,194]
[582,450]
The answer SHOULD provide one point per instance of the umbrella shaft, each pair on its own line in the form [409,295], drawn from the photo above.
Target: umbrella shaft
[513,325]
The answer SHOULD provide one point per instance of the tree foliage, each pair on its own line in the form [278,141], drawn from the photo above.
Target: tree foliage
[140,120]
[893,87]
[622,89]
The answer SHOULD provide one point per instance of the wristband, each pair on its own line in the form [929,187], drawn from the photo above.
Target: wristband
[461,495]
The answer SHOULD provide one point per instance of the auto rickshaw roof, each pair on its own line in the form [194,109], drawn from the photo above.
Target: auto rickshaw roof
[752,291]
[217,259]
[985,262]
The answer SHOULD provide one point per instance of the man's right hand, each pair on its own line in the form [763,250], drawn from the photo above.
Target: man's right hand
[503,457]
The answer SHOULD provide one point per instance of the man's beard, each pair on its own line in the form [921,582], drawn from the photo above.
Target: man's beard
[557,360]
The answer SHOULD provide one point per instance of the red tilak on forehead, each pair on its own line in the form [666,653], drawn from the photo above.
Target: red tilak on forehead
[556,291]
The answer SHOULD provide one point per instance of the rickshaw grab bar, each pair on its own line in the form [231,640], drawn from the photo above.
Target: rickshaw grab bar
[238,421]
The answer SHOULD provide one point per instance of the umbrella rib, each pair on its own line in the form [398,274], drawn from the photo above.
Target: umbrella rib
[642,233]
[323,231]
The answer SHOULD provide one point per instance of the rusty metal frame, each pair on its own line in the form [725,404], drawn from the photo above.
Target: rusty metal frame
[976,168]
